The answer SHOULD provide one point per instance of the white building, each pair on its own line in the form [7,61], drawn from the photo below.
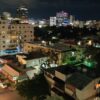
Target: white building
[53,21]
[35,60]
[71,19]
[62,18]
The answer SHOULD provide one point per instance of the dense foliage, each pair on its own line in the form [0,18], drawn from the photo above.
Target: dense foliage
[33,88]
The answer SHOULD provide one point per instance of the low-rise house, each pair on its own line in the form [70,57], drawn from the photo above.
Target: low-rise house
[14,73]
[71,81]
[35,60]
[77,86]
[57,79]
[56,51]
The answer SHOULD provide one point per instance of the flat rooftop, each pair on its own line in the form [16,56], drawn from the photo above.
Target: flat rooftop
[65,69]
[8,57]
[33,55]
[58,46]
[78,80]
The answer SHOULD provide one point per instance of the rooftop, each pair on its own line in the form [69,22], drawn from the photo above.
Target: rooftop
[33,55]
[19,68]
[65,69]
[90,72]
[57,46]
[8,57]
[79,80]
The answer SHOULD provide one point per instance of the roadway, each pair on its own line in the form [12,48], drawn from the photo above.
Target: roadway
[10,95]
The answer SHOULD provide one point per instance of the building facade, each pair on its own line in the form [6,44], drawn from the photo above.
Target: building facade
[53,21]
[13,33]
[62,18]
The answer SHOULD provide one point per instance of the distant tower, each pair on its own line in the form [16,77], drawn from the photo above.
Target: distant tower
[52,21]
[62,18]
[71,19]
[22,12]
[6,15]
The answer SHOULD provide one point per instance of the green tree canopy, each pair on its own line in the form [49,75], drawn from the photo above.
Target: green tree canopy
[35,87]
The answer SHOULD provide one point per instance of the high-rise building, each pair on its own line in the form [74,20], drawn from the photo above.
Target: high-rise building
[22,12]
[53,21]
[71,19]
[62,18]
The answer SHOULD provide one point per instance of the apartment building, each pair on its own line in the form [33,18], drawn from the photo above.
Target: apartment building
[57,52]
[14,34]
[69,80]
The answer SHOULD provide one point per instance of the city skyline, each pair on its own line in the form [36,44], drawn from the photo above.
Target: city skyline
[83,10]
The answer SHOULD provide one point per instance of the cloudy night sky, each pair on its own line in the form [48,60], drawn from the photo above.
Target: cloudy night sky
[81,9]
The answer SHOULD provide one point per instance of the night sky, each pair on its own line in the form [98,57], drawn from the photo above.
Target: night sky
[81,9]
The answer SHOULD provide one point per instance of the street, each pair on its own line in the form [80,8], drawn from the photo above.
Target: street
[10,95]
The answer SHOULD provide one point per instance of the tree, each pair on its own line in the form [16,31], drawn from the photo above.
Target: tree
[33,88]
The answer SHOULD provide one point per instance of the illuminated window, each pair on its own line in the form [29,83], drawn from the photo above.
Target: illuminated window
[3,32]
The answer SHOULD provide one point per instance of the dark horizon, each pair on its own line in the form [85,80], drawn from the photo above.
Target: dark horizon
[82,10]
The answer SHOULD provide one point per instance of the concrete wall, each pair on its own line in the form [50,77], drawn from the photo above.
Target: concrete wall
[60,75]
